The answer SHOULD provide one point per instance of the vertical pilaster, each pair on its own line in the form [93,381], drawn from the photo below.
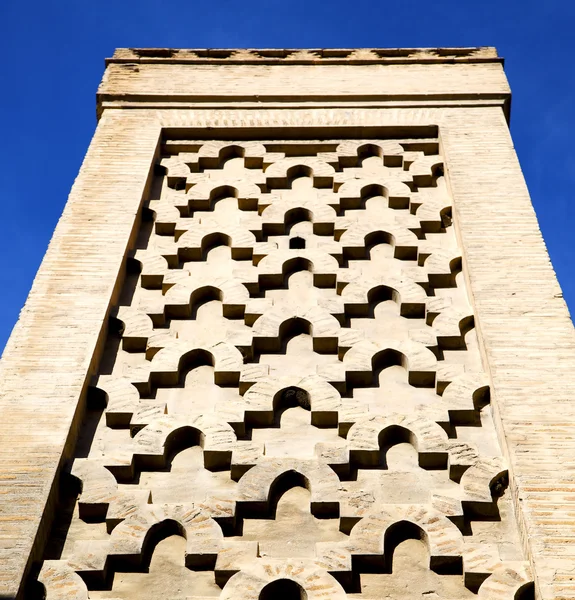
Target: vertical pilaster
[49,358]
[526,333]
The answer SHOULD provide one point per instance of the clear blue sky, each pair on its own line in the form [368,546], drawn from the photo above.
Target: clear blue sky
[53,58]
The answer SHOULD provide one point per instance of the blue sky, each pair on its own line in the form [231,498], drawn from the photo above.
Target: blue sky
[53,58]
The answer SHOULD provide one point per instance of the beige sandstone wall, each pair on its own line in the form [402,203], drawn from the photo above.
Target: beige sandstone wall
[212,280]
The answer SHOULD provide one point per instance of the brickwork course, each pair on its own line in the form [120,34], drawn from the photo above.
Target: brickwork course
[296,336]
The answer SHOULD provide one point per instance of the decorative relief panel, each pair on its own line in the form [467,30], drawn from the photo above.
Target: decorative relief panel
[291,402]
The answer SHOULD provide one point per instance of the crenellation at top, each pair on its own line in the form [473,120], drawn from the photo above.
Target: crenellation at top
[309,55]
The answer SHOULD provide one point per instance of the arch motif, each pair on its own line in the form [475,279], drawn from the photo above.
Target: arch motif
[277,264]
[443,539]
[254,487]
[418,360]
[181,297]
[315,581]
[204,194]
[280,173]
[269,329]
[276,216]
[323,396]
[411,297]
[217,438]
[203,535]
[353,193]
[360,235]
[212,153]
[193,244]
[427,437]
[166,365]
[349,151]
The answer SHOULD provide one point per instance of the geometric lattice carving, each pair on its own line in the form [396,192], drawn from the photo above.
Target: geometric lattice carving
[292,384]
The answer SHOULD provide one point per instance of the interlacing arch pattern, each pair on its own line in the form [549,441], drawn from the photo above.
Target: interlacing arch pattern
[294,321]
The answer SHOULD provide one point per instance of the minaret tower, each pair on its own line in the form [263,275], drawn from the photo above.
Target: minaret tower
[296,336]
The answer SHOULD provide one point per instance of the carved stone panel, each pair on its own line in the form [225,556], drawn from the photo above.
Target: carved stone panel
[291,401]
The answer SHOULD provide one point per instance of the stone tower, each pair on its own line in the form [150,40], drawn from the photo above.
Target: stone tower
[296,336]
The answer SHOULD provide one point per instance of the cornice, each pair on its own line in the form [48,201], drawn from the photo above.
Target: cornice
[292,78]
